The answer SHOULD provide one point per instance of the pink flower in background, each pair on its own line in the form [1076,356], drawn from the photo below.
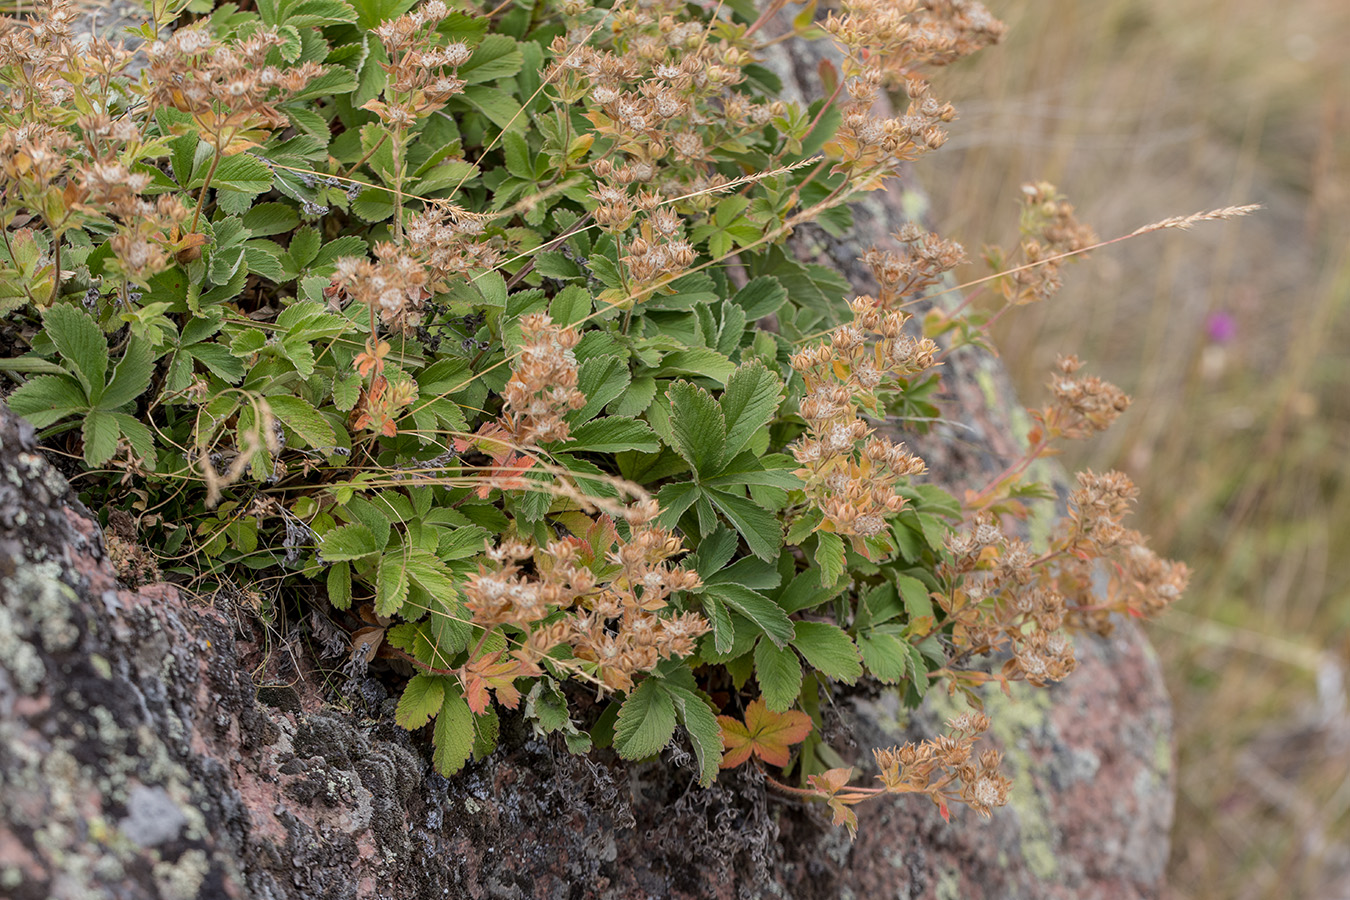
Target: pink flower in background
[1221,327]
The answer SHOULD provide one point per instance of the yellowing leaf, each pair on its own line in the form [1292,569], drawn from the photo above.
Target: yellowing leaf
[765,734]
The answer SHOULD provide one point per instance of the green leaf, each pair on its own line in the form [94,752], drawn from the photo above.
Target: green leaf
[761,297]
[602,380]
[570,306]
[347,542]
[914,592]
[761,529]
[613,434]
[80,342]
[317,13]
[713,553]
[241,172]
[340,586]
[498,56]
[334,82]
[138,436]
[454,735]
[779,673]
[130,378]
[47,399]
[271,218]
[766,614]
[100,437]
[724,632]
[423,697]
[698,426]
[829,650]
[391,584]
[705,734]
[646,721]
[303,419]
[884,655]
[749,403]
[830,556]
[500,107]
[430,574]
[804,592]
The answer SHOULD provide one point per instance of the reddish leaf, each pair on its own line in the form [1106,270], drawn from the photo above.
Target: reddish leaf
[764,734]
[487,674]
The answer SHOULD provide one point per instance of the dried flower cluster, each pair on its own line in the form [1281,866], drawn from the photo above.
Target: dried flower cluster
[229,89]
[1083,405]
[1050,231]
[602,596]
[422,76]
[850,474]
[934,767]
[543,385]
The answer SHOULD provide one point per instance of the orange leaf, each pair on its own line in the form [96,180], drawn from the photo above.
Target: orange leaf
[765,734]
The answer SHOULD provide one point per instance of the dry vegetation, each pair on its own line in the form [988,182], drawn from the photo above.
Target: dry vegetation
[1231,341]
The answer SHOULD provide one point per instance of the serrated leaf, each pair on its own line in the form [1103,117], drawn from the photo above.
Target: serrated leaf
[698,427]
[884,655]
[914,592]
[131,377]
[340,586]
[761,297]
[613,434]
[100,432]
[765,734]
[303,419]
[724,632]
[704,732]
[454,735]
[241,172]
[829,650]
[570,306]
[391,584]
[646,721]
[761,529]
[347,542]
[602,380]
[500,107]
[779,674]
[713,553]
[749,403]
[497,56]
[80,342]
[762,611]
[830,556]
[423,697]
[47,399]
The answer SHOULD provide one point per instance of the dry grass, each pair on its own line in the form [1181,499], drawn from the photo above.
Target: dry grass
[1140,109]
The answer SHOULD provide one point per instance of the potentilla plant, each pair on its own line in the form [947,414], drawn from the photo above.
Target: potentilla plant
[481,326]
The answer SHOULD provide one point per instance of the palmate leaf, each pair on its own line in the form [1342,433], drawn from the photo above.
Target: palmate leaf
[765,734]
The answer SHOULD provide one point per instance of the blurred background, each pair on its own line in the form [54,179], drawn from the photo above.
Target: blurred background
[1232,340]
